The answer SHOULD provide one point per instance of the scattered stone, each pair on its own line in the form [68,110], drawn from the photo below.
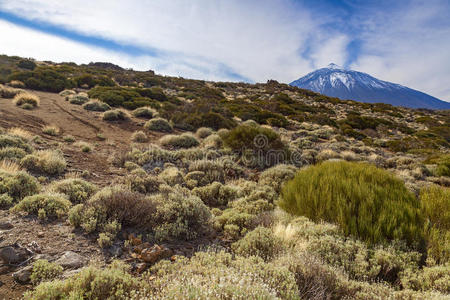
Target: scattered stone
[71,260]
[4,269]
[115,250]
[9,255]
[34,247]
[6,225]
[155,253]
[140,268]
[70,273]
[40,234]
[23,275]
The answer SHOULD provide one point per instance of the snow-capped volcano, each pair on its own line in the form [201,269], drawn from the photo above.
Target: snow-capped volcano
[336,81]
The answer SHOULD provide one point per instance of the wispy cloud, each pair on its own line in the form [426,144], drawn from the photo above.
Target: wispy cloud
[403,41]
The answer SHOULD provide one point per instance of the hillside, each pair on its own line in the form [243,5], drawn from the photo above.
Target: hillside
[338,82]
[170,188]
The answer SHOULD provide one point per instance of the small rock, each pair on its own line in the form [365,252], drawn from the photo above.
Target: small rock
[23,275]
[115,250]
[40,234]
[71,260]
[9,255]
[6,225]
[155,253]
[70,273]
[140,268]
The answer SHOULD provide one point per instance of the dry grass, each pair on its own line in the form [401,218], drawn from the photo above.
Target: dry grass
[7,92]
[16,84]
[9,166]
[21,133]
[26,98]
[51,130]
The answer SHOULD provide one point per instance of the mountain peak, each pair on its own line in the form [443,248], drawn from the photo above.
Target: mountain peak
[336,81]
[334,66]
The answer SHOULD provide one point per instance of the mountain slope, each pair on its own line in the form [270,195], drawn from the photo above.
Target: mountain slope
[335,81]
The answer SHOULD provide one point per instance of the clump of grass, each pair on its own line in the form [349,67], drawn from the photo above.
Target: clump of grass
[139,137]
[26,98]
[67,93]
[145,112]
[16,84]
[16,183]
[69,139]
[96,105]
[6,92]
[203,132]
[84,146]
[26,135]
[45,161]
[78,99]
[158,124]
[259,242]
[51,130]
[185,140]
[365,201]
[12,153]
[115,115]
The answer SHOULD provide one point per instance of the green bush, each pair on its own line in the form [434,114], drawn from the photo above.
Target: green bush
[7,140]
[442,162]
[435,203]
[185,140]
[258,242]
[139,137]
[216,194]
[95,105]
[203,132]
[158,124]
[43,78]
[115,115]
[77,190]
[18,184]
[45,206]
[44,271]
[276,176]
[6,201]
[363,200]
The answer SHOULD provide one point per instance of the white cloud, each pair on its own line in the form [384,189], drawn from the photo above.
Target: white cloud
[409,46]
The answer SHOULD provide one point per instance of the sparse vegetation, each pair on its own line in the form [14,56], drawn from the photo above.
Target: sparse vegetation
[185,140]
[145,112]
[139,137]
[51,130]
[43,270]
[96,105]
[115,115]
[45,161]
[45,206]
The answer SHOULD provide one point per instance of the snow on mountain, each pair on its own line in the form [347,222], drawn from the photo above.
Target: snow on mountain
[336,81]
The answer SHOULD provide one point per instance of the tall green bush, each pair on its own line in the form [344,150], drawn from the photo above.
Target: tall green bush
[363,200]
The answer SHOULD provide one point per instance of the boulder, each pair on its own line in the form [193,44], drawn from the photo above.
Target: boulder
[71,260]
[23,275]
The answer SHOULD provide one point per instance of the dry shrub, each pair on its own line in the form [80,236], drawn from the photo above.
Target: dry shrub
[26,98]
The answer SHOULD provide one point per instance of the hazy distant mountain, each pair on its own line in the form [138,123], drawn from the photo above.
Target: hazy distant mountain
[335,81]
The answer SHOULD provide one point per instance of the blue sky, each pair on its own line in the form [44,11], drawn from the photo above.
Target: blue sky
[406,42]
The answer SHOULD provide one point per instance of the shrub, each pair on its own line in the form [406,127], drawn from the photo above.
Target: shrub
[12,153]
[213,141]
[104,240]
[43,270]
[435,203]
[179,215]
[45,161]
[8,140]
[145,184]
[17,184]
[139,137]
[77,190]
[115,115]
[185,140]
[442,162]
[258,146]
[216,194]
[116,203]
[365,201]
[172,176]
[69,139]
[5,201]
[203,132]
[96,105]
[66,93]
[78,99]
[113,282]
[258,242]
[51,130]
[26,98]
[276,176]
[144,112]
[50,205]
[158,124]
